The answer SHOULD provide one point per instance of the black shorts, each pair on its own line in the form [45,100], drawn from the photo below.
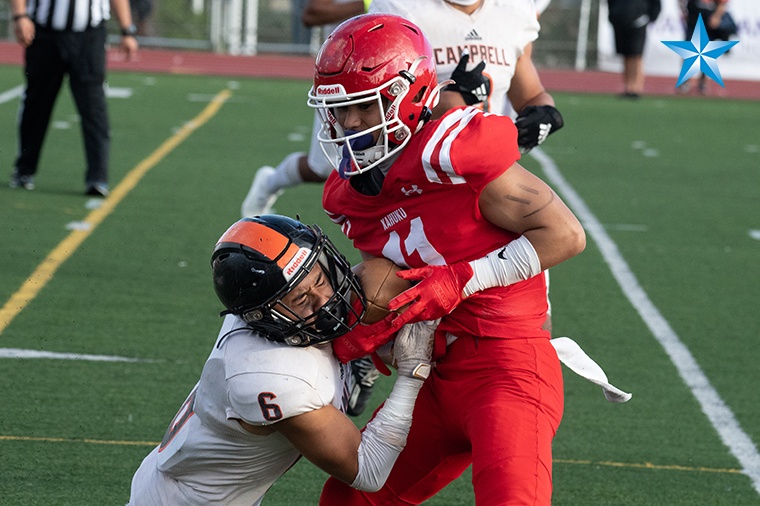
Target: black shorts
[630,41]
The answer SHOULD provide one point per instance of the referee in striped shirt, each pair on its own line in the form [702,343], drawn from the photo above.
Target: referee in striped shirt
[67,37]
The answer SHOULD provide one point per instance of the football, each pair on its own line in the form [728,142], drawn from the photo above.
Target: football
[380,283]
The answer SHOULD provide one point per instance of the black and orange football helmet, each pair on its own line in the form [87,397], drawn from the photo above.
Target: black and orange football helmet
[259,260]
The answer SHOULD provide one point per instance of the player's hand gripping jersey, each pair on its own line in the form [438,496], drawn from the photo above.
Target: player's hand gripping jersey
[427,214]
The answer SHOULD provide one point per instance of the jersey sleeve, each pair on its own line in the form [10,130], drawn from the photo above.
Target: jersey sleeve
[275,383]
[471,146]
[527,25]
[265,398]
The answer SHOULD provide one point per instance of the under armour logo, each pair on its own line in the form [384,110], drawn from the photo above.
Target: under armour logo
[543,131]
[415,189]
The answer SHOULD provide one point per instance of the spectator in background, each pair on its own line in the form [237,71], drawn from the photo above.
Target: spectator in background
[719,26]
[142,11]
[54,47]
[629,19]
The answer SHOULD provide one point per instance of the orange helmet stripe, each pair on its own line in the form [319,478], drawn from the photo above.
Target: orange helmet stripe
[261,238]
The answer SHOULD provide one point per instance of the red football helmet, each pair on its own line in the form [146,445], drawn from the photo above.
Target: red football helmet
[374,57]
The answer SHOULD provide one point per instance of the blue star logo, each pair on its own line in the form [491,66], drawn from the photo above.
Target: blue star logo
[699,54]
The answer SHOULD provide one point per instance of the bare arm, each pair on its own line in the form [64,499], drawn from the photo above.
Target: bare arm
[714,20]
[322,12]
[526,88]
[23,27]
[123,14]
[520,202]
[326,437]
[448,100]
[364,460]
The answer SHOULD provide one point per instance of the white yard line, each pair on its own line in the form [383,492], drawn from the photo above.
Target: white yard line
[719,414]
[21,353]
[9,95]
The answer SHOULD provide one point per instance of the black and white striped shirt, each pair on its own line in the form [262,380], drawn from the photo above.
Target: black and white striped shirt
[69,15]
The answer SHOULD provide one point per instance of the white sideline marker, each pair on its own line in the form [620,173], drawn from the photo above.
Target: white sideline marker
[21,353]
[720,415]
[9,95]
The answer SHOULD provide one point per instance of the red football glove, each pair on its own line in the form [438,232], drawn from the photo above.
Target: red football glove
[364,339]
[436,295]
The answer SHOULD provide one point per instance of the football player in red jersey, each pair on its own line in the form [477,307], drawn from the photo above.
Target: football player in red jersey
[448,199]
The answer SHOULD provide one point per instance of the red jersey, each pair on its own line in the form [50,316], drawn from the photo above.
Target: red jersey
[427,213]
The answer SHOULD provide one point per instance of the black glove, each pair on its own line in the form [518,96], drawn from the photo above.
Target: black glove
[473,85]
[534,124]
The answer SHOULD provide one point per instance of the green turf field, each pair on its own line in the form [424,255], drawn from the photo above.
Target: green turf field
[668,186]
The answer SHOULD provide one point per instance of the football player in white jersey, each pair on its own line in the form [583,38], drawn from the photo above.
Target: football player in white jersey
[272,390]
[497,37]
[296,168]
[498,33]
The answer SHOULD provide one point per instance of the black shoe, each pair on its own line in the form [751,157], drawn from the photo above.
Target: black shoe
[364,374]
[630,95]
[25,182]
[97,190]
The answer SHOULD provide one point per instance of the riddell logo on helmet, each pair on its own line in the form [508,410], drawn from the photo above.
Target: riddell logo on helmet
[334,89]
[295,263]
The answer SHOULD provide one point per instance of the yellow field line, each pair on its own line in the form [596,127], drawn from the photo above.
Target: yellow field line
[649,465]
[70,440]
[645,465]
[45,271]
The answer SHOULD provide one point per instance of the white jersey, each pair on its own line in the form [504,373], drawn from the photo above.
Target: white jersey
[318,162]
[206,457]
[497,33]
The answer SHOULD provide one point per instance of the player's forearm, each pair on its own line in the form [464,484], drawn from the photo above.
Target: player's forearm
[527,256]
[542,98]
[385,436]
[558,242]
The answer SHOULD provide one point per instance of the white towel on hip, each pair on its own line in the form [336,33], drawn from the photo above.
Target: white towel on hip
[571,354]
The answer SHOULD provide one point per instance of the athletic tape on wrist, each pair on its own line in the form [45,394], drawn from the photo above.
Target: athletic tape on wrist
[517,261]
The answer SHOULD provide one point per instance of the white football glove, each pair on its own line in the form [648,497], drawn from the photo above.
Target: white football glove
[412,350]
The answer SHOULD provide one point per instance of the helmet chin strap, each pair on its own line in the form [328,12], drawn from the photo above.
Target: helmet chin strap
[463,2]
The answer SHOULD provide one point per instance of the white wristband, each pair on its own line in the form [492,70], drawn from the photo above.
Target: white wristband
[517,261]
[385,436]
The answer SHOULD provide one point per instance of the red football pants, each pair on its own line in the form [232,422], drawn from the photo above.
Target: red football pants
[492,403]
